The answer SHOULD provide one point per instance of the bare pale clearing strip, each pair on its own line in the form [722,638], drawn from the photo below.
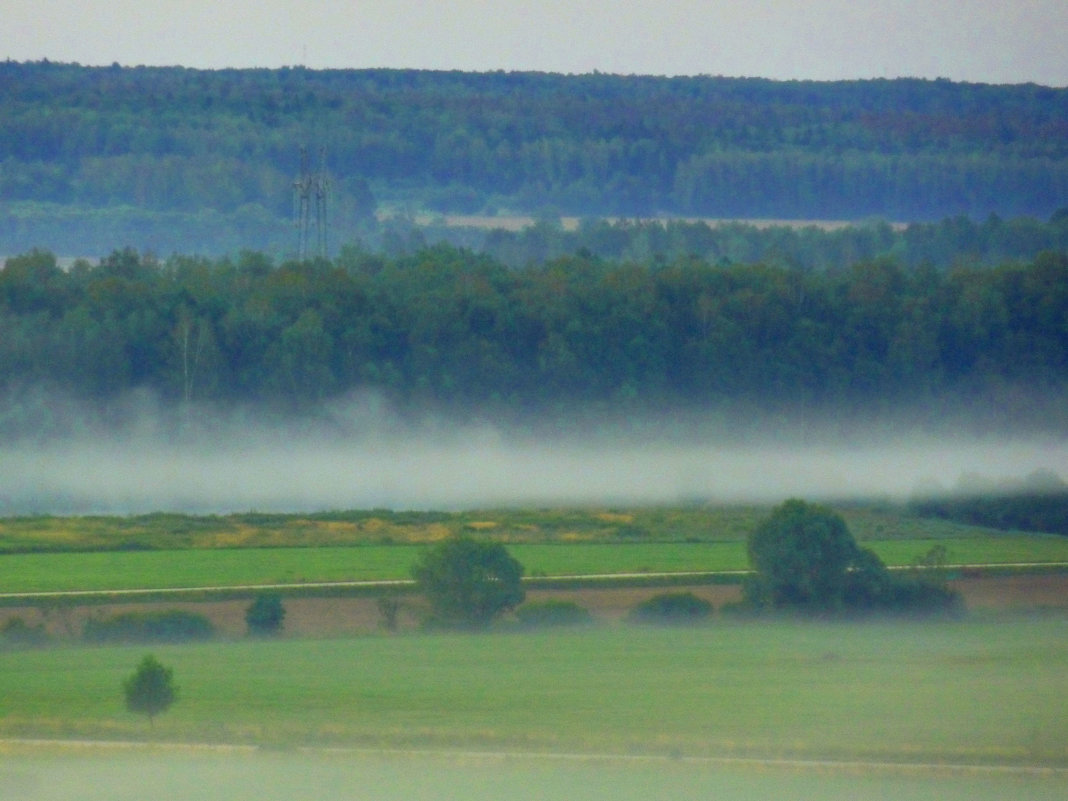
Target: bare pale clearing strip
[518,222]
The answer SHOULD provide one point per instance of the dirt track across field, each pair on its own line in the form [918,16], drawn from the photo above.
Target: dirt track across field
[340,616]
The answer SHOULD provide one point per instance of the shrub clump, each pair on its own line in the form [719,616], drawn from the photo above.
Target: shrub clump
[17,633]
[264,616]
[805,560]
[553,613]
[672,607]
[170,625]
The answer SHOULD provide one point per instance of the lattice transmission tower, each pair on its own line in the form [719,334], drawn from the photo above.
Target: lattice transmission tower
[310,192]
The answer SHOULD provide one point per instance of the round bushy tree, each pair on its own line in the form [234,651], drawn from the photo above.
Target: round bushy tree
[265,614]
[801,555]
[468,583]
[804,558]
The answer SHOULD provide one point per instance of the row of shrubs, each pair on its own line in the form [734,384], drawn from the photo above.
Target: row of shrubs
[670,607]
[265,616]
[169,625]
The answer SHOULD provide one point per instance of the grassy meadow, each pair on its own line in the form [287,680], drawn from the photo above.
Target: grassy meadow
[958,692]
[101,571]
[164,551]
[880,710]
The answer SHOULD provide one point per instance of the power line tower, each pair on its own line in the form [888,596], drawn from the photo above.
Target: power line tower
[302,188]
[322,188]
[311,190]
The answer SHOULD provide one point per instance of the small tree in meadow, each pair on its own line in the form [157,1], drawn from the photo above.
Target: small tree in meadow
[150,690]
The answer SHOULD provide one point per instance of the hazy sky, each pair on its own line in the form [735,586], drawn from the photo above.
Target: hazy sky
[996,41]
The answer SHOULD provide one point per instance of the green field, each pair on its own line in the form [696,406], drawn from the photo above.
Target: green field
[227,567]
[958,692]
[729,710]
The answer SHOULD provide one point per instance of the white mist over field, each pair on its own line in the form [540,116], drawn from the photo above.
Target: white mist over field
[86,775]
[380,463]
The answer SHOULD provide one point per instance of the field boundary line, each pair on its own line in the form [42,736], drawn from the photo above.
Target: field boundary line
[763,762]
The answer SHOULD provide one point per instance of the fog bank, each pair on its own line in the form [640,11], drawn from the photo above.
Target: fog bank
[237,469]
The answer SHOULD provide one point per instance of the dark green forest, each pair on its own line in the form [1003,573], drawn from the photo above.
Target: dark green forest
[449,329]
[194,161]
[185,180]
[1038,502]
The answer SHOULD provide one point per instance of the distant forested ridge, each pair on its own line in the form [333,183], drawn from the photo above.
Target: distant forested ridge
[445,328]
[182,160]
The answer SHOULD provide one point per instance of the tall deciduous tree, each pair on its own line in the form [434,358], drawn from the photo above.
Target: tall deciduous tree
[805,558]
[468,583]
[801,555]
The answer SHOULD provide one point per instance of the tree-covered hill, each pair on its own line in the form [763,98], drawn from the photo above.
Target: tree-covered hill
[144,152]
[448,329]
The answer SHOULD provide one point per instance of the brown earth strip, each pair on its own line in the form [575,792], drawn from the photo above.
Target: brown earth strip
[343,616]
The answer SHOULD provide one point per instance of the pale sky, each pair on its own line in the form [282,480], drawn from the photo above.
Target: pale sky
[990,41]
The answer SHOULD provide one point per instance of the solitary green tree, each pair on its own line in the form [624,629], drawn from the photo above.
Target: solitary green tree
[265,614]
[468,583]
[805,558]
[150,690]
[801,555]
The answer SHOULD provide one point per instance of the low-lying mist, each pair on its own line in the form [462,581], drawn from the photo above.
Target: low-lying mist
[362,456]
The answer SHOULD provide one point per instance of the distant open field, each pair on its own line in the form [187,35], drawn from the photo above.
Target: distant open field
[167,551]
[229,567]
[697,523]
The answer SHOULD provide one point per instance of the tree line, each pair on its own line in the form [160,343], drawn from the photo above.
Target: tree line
[942,244]
[174,141]
[446,328]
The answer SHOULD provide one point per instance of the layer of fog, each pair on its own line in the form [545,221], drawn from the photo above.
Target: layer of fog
[101,775]
[368,459]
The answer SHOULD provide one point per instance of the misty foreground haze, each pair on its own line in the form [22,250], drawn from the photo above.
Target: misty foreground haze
[360,455]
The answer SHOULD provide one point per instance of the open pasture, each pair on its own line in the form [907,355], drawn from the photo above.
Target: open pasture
[99,571]
[989,692]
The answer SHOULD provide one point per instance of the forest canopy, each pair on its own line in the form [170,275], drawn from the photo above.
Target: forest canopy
[140,156]
[449,329]
[948,293]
